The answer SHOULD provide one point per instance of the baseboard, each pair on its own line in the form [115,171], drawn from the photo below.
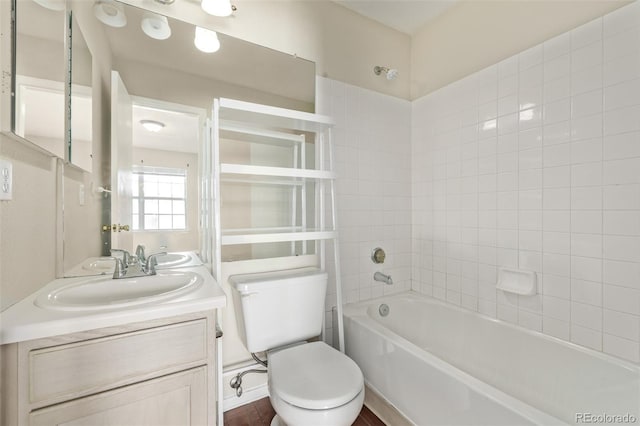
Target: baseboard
[384,409]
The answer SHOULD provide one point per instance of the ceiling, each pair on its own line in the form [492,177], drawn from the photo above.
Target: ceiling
[181,132]
[406,16]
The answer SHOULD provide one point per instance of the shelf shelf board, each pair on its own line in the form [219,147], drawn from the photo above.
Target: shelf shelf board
[262,236]
[240,111]
[241,132]
[264,182]
[243,169]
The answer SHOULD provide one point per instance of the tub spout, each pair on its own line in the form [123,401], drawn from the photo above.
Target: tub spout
[379,276]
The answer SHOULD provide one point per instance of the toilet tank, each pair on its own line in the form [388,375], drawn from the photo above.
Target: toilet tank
[278,308]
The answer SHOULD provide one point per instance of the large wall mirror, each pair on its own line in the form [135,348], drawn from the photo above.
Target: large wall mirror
[49,52]
[162,91]
[39,71]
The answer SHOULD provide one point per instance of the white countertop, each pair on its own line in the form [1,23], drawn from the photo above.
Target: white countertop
[27,321]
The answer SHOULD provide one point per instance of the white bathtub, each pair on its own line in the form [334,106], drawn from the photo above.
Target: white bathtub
[441,365]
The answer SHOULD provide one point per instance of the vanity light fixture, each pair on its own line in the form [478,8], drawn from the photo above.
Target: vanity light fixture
[152,125]
[110,13]
[155,26]
[389,73]
[217,7]
[206,40]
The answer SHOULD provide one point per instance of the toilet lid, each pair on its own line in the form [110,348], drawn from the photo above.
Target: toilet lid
[314,376]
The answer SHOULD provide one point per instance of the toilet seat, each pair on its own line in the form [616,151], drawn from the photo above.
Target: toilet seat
[314,376]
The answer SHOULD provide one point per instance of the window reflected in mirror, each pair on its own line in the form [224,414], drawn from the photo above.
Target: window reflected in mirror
[159,199]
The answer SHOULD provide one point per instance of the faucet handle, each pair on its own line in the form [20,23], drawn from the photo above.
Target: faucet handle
[152,262]
[120,268]
[125,255]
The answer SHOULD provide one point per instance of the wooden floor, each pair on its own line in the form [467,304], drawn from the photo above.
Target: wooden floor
[260,413]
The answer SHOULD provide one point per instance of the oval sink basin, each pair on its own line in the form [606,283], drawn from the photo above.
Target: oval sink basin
[171,260]
[106,293]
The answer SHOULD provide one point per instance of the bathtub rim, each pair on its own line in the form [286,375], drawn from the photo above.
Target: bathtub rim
[359,309]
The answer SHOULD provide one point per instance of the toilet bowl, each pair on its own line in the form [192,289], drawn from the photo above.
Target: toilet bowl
[313,384]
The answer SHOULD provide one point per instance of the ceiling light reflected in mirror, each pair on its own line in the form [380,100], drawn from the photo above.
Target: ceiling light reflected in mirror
[217,7]
[152,125]
[110,13]
[155,26]
[206,40]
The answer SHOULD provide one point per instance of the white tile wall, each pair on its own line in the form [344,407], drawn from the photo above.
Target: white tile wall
[534,162]
[372,152]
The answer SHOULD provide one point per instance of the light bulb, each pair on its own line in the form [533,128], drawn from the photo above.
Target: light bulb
[152,125]
[206,40]
[155,26]
[217,7]
[110,13]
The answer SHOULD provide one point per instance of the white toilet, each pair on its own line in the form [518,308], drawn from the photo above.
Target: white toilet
[309,383]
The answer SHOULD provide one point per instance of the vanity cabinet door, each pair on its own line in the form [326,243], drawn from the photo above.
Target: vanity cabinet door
[176,399]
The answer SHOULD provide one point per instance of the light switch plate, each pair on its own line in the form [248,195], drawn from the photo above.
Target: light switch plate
[6,180]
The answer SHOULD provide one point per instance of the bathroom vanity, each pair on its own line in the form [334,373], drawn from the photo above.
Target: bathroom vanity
[151,364]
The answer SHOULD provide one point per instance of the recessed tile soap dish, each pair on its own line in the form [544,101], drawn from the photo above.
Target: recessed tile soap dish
[517,281]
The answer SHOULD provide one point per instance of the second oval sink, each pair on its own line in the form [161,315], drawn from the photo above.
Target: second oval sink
[101,264]
[171,260]
[106,293]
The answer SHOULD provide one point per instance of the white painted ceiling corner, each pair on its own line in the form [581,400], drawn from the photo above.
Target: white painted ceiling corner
[406,16]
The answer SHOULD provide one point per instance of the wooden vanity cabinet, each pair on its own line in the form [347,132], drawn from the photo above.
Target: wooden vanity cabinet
[154,373]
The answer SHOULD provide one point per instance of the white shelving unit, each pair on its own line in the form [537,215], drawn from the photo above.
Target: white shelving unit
[260,124]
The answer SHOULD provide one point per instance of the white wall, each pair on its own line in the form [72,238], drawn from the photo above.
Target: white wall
[534,163]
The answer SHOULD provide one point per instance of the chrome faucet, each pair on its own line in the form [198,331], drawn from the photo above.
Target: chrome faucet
[379,276]
[132,266]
